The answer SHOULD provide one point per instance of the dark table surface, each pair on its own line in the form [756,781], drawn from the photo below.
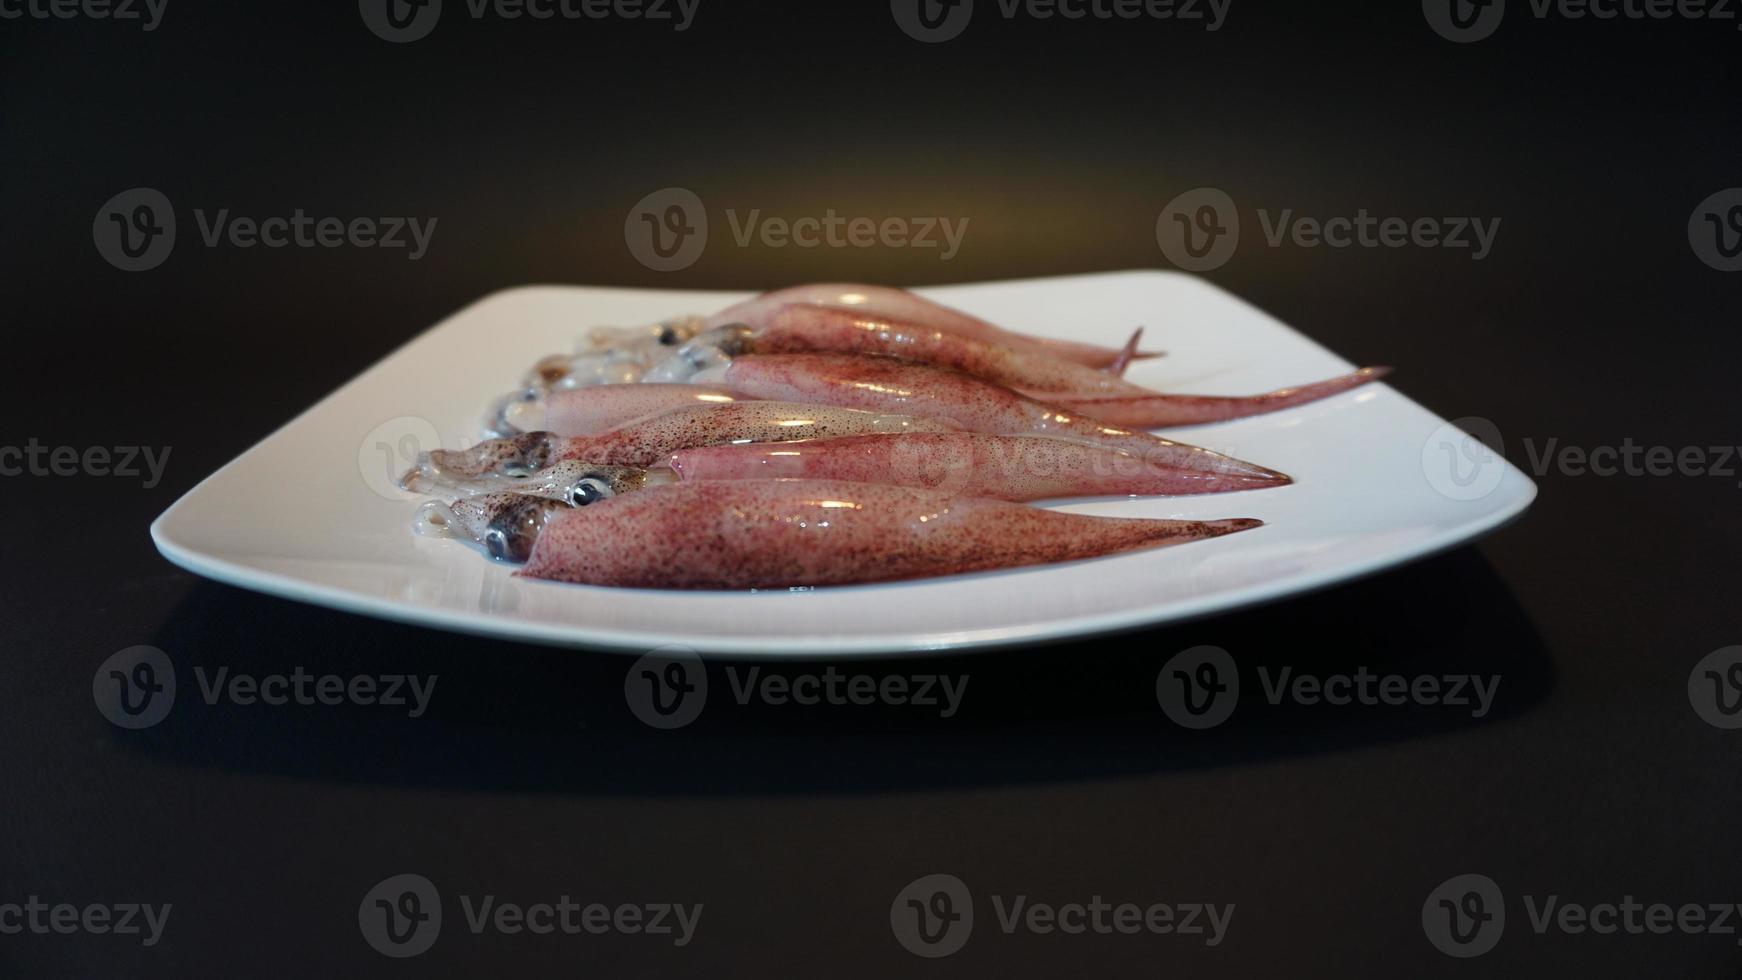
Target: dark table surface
[1592,322]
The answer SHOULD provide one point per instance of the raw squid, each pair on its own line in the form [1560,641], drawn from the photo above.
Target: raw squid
[608,355]
[973,464]
[575,482]
[1157,411]
[569,409]
[1016,468]
[667,333]
[649,440]
[675,353]
[888,385]
[900,304]
[506,524]
[821,329]
[738,534]
[589,411]
[814,329]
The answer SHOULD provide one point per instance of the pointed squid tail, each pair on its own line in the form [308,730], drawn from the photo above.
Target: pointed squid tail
[1162,411]
[1127,354]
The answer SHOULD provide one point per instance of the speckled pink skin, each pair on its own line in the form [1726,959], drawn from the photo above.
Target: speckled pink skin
[898,303]
[601,408]
[650,440]
[972,464]
[743,534]
[806,329]
[888,385]
[1154,411]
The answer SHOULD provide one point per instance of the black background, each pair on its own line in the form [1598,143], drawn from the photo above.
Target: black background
[1593,321]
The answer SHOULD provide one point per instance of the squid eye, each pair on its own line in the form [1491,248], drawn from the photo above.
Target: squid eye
[667,337]
[496,543]
[516,469]
[588,490]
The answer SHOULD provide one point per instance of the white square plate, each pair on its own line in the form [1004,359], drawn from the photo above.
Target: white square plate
[311,513]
